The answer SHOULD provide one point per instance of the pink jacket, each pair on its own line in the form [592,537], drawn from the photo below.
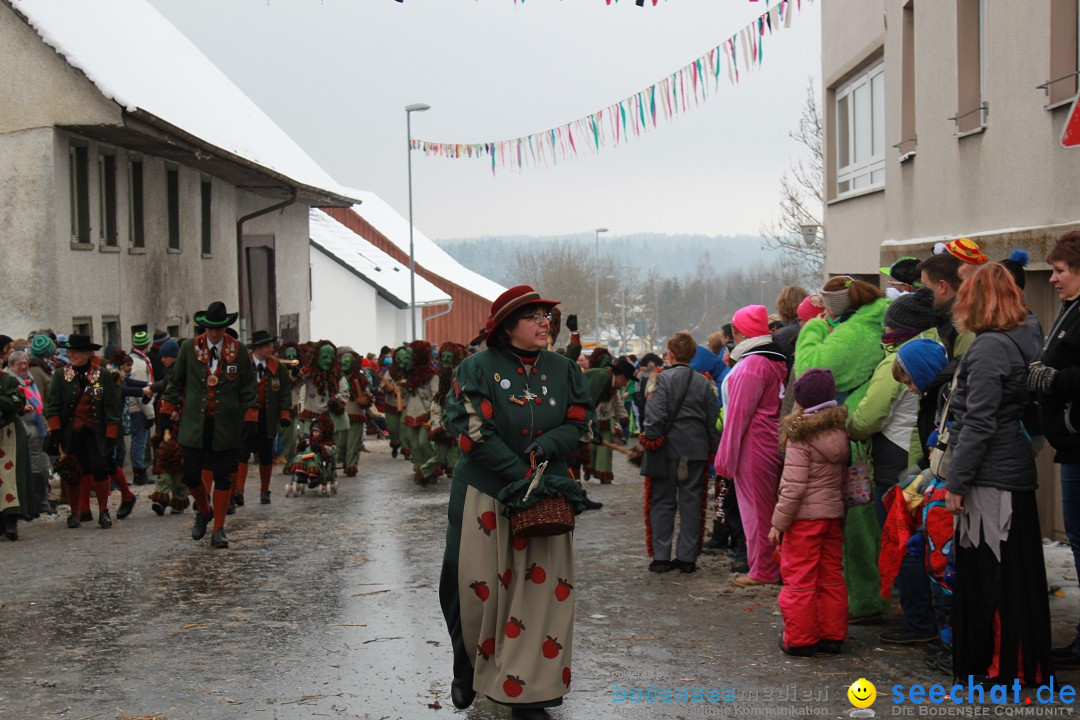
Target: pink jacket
[815,467]
[747,449]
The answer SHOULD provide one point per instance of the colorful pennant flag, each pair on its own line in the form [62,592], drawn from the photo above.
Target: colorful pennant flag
[619,122]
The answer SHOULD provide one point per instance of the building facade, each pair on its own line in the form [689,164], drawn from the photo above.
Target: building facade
[943,119]
[122,215]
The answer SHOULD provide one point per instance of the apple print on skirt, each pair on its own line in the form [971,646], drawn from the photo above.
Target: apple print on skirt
[517,606]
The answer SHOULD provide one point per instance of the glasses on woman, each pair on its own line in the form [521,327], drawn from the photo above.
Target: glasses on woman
[537,318]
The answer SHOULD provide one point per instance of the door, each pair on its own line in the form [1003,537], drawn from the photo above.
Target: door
[259,283]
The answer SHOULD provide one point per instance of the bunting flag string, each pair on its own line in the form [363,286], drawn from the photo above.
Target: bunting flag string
[678,93]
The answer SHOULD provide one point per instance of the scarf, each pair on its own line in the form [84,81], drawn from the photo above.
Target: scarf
[30,391]
[749,344]
[897,337]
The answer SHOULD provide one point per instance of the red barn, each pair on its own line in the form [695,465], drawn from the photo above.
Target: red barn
[471,293]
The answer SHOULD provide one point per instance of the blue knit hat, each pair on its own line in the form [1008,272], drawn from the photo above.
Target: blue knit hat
[923,360]
[169,348]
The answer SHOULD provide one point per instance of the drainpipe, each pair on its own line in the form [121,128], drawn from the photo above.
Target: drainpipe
[449,307]
[240,255]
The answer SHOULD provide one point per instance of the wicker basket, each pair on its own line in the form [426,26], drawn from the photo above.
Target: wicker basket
[549,516]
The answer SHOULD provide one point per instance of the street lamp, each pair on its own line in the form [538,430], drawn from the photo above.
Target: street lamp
[809,233]
[409,110]
[596,276]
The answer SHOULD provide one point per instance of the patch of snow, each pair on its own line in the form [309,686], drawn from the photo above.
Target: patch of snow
[395,227]
[141,61]
[369,261]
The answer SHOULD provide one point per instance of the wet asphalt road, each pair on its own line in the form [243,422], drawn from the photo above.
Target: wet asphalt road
[328,607]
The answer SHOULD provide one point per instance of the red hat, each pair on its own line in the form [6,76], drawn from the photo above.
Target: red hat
[811,307]
[966,250]
[752,321]
[513,299]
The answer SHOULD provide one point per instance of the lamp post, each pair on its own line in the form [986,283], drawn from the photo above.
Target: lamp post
[409,110]
[596,277]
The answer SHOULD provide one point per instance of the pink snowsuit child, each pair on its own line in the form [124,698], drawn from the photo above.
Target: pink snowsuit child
[809,515]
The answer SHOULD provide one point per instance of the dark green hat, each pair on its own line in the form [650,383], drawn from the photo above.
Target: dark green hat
[260,338]
[42,346]
[215,316]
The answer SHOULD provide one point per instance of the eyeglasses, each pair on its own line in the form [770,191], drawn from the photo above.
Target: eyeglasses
[538,318]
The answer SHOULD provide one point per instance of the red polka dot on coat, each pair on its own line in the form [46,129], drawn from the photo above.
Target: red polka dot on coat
[576,412]
[464,442]
[9,498]
[520,371]
[539,401]
[485,409]
[8,465]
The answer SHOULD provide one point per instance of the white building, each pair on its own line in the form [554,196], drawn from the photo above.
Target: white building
[360,295]
[138,183]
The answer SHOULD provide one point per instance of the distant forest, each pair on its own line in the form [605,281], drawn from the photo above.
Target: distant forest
[667,255]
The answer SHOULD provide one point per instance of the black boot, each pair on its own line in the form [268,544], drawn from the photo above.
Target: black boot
[104,521]
[590,504]
[201,521]
[238,498]
[218,539]
[264,498]
[720,538]
[73,520]
[125,508]
[11,527]
[462,693]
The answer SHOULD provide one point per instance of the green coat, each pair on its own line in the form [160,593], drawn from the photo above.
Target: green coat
[274,393]
[105,403]
[499,406]
[234,399]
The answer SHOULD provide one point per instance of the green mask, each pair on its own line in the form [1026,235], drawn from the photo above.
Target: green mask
[290,353]
[326,358]
[403,359]
[446,358]
[347,362]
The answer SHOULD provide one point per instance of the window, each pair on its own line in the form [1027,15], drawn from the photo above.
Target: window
[172,203]
[110,330]
[860,132]
[107,179]
[971,57]
[173,330]
[78,181]
[135,204]
[82,326]
[1061,87]
[207,234]
[906,146]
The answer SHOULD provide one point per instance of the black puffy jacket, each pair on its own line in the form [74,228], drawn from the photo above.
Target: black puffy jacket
[990,447]
[1059,410]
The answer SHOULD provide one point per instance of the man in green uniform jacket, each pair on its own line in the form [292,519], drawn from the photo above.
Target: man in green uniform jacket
[215,381]
[274,388]
[83,416]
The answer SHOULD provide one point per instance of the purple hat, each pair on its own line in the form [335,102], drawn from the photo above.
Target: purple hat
[815,387]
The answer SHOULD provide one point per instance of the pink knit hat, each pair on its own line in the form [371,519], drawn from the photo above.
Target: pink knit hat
[752,321]
[811,307]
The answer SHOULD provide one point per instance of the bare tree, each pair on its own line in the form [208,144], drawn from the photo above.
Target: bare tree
[802,198]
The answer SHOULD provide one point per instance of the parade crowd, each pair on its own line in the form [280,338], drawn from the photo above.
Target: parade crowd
[852,444]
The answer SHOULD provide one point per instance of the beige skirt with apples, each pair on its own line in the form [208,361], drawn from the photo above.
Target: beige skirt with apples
[517,606]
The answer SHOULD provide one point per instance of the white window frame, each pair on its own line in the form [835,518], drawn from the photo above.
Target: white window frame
[876,161]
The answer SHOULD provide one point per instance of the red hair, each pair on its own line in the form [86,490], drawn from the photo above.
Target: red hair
[989,300]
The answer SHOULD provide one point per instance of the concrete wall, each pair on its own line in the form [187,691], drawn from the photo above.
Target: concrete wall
[39,88]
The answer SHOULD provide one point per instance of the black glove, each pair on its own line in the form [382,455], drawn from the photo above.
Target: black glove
[571,323]
[284,422]
[165,422]
[1041,378]
[248,434]
[52,443]
[336,407]
[535,447]
[110,445]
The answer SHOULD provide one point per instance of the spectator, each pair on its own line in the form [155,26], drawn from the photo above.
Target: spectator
[903,276]
[140,410]
[680,428]
[787,306]
[748,446]
[809,517]
[939,273]
[1001,617]
[42,349]
[1056,381]
[33,419]
[848,342]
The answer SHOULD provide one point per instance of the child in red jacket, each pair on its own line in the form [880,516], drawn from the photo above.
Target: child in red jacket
[809,516]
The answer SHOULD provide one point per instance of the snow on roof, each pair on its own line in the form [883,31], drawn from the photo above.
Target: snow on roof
[369,262]
[395,227]
[141,61]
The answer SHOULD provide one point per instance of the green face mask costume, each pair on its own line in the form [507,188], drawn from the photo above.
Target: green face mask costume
[446,358]
[403,359]
[326,358]
[291,353]
[347,362]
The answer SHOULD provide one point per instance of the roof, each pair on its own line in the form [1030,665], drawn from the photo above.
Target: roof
[138,59]
[389,277]
[395,227]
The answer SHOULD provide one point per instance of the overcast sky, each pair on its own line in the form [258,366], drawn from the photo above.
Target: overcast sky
[336,75]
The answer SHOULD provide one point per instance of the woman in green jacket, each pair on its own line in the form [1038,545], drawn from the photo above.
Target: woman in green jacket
[508,600]
[848,342]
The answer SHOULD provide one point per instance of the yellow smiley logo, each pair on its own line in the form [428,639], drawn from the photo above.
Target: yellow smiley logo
[862,693]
